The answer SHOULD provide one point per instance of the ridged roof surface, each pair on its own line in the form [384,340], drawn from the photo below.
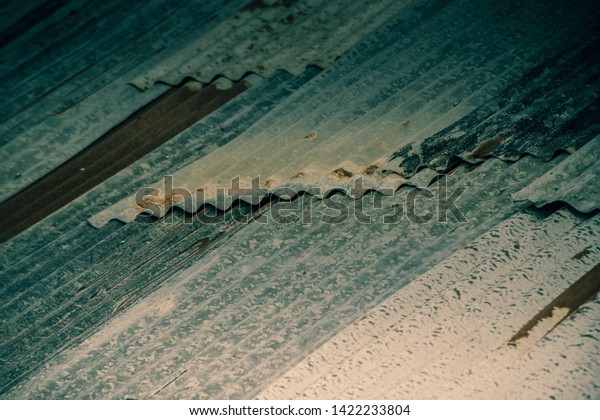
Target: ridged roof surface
[480,88]
[490,106]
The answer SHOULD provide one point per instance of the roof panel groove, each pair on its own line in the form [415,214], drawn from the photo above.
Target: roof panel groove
[451,331]
[536,115]
[406,97]
[263,282]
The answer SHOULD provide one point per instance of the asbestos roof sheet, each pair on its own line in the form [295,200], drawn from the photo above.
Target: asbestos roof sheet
[253,307]
[264,36]
[227,300]
[574,181]
[69,79]
[445,336]
[66,77]
[63,251]
[553,107]
[343,122]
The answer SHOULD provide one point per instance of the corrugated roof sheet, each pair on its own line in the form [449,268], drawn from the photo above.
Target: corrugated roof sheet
[345,122]
[553,107]
[64,256]
[574,181]
[445,335]
[250,309]
[67,78]
[264,36]
[184,307]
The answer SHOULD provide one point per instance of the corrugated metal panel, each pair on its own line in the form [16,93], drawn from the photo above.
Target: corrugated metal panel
[268,35]
[382,94]
[254,306]
[553,107]
[268,295]
[65,80]
[576,181]
[445,335]
[203,137]
[64,266]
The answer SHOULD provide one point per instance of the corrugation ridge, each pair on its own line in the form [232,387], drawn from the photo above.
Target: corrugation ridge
[182,149]
[223,48]
[574,181]
[580,126]
[434,236]
[248,144]
[172,74]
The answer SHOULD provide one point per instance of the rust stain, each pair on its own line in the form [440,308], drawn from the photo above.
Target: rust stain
[581,254]
[298,175]
[120,307]
[342,173]
[310,136]
[580,292]
[371,170]
[488,146]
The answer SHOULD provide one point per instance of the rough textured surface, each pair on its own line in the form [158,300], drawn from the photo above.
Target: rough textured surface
[446,334]
[124,144]
[344,121]
[553,107]
[67,78]
[576,181]
[266,297]
[43,268]
[264,36]
[182,307]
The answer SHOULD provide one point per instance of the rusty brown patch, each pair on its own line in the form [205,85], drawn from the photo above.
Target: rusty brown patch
[581,254]
[488,146]
[571,298]
[149,198]
[298,175]
[371,170]
[120,307]
[342,173]
[141,133]
[310,136]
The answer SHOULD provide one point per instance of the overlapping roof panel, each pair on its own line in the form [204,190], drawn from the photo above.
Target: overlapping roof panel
[553,107]
[573,181]
[446,335]
[257,304]
[68,78]
[349,123]
[292,298]
[65,260]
